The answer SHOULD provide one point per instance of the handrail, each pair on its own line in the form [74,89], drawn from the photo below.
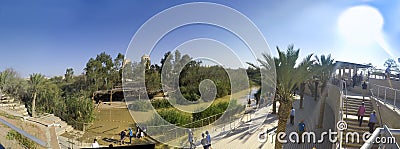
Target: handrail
[385,95]
[343,93]
[383,132]
[27,135]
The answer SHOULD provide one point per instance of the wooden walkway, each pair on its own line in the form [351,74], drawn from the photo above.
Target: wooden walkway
[310,114]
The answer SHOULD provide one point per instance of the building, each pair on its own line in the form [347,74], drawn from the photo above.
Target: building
[146,61]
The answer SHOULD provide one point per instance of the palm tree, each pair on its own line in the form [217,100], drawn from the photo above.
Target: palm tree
[288,76]
[308,73]
[324,69]
[36,81]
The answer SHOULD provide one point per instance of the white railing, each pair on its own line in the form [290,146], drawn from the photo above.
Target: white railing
[386,133]
[343,93]
[385,94]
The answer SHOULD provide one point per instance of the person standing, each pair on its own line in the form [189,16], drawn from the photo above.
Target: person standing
[292,113]
[208,138]
[372,121]
[360,113]
[130,135]
[137,132]
[204,141]
[95,144]
[364,89]
[190,138]
[302,129]
[123,133]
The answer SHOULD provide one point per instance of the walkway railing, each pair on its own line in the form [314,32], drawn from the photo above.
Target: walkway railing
[343,93]
[174,133]
[385,94]
[27,135]
[387,140]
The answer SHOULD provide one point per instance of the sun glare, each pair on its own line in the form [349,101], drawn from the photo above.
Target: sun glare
[361,24]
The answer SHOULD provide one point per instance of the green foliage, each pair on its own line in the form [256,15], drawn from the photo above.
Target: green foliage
[140,106]
[175,116]
[69,73]
[12,134]
[161,103]
[212,110]
[288,75]
[12,84]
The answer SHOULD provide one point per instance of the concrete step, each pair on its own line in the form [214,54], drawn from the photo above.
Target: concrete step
[21,111]
[367,110]
[352,145]
[17,107]
[367,104]
[356,123]
[7,100]
[351,119]
[357,97]
[356,108]
[25,113]
[354,112]
[63,129]
[358,103]
[364,127]
[8,104]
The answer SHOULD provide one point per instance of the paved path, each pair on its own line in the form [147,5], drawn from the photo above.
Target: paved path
[246,135]
[242,136]
[310,114]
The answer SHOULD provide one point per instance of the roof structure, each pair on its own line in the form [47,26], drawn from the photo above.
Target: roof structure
[350,65]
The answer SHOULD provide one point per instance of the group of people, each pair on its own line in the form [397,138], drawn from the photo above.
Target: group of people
[139,134]
[372,117]
[205,141]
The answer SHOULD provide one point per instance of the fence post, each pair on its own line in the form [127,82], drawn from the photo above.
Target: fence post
[394,102]
[385,94]
[378,92]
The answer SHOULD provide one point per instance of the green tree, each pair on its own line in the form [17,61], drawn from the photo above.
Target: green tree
[69,74]
[12,84]
[324,69]
[36,82]
[390,63]
[117,70]
[288,76]
[308,73]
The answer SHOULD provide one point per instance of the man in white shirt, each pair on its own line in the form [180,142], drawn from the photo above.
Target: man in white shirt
[292,113]
[95,144]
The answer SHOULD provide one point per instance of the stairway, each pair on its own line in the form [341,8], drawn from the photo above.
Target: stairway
[350,117]
[13,106]
[52,120]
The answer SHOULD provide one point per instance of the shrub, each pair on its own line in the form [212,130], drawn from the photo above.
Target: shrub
[161,103]
[12,134]
[139,106]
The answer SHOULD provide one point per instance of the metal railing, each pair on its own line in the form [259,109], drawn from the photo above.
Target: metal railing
[27,135]
[385,94]
[384,132]
[343,93]
[230,124]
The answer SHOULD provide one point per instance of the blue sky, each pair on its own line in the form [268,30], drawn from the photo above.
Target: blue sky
[49,36]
